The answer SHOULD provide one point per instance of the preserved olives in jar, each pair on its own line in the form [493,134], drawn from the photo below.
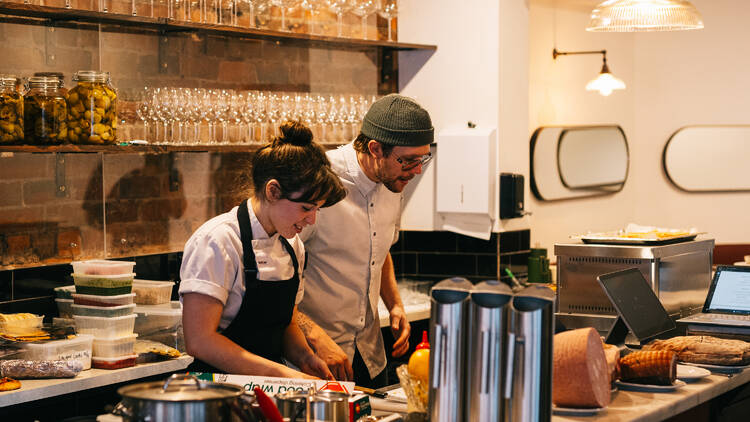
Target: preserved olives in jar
[92,109]
[11,111]
[45,112]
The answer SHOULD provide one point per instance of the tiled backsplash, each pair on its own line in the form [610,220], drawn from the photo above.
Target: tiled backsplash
[417,255]
[438,255]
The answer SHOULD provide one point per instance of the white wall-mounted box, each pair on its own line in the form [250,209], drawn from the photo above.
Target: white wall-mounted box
[466,176]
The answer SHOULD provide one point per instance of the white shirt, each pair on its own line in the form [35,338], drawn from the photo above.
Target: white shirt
[346,250]
[212,261]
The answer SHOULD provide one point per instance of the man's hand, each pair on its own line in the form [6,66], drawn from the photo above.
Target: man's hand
[335,358]
[314,365]
[401,330]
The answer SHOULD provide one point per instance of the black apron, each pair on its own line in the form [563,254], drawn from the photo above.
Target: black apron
[266,308]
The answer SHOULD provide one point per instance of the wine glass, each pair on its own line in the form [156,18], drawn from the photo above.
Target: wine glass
[313,6]
[388,10]
[144,97]
[283,5]
[363,9]
[339,7]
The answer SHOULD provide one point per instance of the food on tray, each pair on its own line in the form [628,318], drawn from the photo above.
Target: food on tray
[705,350]
[638,233]
[649,367]
[9,384]
[581,375]
[159,349]
[19,368]
[612,353]
[20,324]
[16,317]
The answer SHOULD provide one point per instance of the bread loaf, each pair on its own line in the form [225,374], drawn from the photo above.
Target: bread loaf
[705,349]
[649,367]
[581,377]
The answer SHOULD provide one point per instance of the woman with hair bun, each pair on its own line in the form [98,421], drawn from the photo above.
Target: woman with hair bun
[242,270]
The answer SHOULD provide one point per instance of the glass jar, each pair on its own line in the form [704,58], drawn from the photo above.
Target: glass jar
[58,75]
[45,112]
[92,109]
[11,111]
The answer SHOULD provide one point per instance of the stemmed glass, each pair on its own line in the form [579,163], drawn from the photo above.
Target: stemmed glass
[339,7]
[363,9]
[313,6]
[388,10]
[144,98]
[283,5]
[260,114]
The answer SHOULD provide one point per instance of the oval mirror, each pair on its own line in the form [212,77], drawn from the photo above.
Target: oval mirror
[708,158]
[569,162]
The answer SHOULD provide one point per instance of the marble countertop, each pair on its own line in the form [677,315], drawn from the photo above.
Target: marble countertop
[43,388]
[636,406]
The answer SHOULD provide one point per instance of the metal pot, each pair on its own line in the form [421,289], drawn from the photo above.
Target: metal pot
[324,406]
[182,397]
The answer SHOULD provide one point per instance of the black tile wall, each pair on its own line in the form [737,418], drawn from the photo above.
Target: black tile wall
[438,255]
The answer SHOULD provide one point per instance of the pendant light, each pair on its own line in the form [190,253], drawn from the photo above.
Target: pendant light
[644,15]
[605,83]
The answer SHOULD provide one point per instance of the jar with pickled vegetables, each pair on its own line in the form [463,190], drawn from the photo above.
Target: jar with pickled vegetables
[45,112]
[92,109]
[11,111]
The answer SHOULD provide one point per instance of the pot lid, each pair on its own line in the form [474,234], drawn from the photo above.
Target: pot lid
[181,388]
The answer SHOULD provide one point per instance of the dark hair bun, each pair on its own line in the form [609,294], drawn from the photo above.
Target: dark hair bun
[295,133]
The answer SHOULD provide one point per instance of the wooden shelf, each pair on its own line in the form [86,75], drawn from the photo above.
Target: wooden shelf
[6,150]
[28,13]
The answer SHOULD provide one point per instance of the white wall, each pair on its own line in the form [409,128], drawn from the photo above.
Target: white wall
[479,73]
[674,79]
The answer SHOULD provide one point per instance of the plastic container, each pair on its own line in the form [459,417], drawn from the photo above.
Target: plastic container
[103,311]
[155,318]
[104,285]
[77,348]
[65,292]
[114,347]
[22,327]
[63,322]
[114,362]
[149,292]
[102,266]
[64,307]
[96,300]
[102,327]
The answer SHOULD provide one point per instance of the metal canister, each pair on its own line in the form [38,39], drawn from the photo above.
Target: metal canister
[528,387]
[92,109]
[448,323]
[488,310]
[45,112]
[11,111]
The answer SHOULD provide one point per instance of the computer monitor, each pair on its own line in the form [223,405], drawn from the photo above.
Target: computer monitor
[637,306]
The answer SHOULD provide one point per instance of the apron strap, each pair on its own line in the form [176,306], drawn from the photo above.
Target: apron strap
[246,235]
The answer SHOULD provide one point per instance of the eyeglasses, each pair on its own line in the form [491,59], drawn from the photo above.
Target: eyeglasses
[410,163]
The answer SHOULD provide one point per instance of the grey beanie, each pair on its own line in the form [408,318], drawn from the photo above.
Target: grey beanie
[398,120]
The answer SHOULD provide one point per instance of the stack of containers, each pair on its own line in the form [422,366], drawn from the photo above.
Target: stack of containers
[158,319]
[103,307]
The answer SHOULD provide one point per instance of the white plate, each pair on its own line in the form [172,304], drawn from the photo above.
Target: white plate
[569,411]
[631,386]
[691,373]
[721,369]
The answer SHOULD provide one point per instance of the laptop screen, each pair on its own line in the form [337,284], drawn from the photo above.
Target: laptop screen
[636,303]
[729,291]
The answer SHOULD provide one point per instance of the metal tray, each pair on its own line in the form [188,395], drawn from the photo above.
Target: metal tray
[614,240]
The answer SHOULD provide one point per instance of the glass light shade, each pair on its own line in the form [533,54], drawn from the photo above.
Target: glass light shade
[644,15]
[605,83]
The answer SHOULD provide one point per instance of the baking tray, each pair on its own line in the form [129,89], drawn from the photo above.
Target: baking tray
[616,240]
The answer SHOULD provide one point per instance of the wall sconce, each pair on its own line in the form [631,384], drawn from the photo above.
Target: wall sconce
[644,15]
[605,83]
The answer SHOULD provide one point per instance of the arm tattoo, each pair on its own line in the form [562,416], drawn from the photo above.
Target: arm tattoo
[304,323]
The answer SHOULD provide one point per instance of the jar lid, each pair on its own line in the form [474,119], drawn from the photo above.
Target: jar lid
[8,80]
[45,82]
[91,76]
[58,75]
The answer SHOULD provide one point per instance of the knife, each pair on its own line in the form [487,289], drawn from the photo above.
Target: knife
[372,392]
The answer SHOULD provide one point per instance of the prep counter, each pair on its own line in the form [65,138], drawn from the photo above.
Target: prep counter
[38,389]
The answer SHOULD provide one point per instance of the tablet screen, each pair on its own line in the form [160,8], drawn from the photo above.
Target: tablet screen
[636,303]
